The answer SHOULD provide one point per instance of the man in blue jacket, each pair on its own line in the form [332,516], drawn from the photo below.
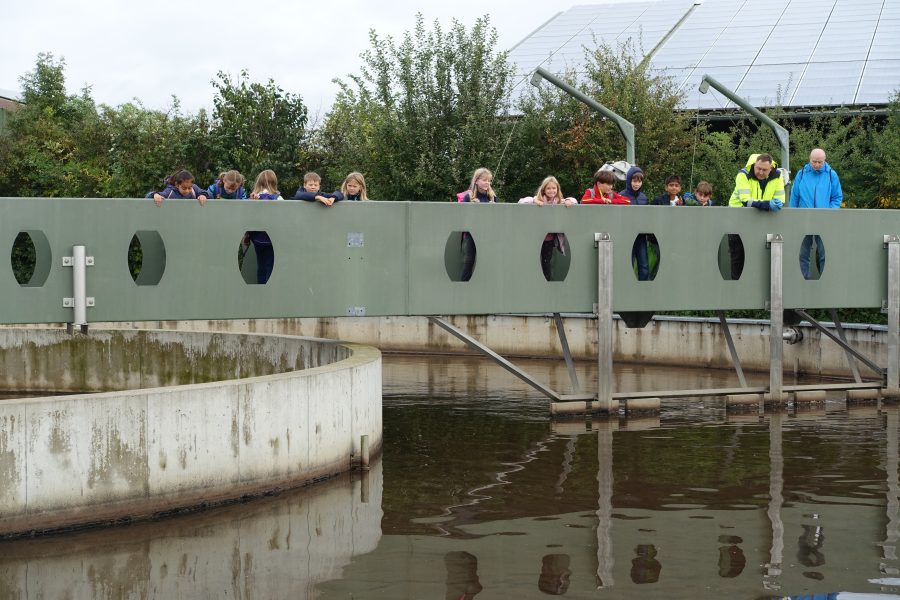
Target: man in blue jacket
[817,185]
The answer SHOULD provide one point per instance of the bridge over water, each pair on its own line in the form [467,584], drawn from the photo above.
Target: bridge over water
[401,258]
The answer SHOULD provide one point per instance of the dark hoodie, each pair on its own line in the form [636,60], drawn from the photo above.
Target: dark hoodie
[637,197]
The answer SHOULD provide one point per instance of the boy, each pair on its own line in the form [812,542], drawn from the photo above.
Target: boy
[673,188]
[309,191]
[702,195]
[602,192]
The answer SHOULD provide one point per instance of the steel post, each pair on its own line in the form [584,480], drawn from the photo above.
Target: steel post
[604,321]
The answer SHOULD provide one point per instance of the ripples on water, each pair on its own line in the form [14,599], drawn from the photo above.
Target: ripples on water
[479,496]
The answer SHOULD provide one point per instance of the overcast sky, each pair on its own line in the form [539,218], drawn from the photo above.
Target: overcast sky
[151,50]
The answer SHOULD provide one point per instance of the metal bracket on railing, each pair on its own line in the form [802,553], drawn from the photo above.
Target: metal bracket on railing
[79,301]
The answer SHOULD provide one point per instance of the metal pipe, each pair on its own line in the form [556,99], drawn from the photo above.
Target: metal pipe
[625,126]
[79,285]
[781,134]
[364,452]
[776,318]
[604,321]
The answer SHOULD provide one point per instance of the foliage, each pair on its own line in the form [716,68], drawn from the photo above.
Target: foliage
[559,135]
[256,127]
[422,115]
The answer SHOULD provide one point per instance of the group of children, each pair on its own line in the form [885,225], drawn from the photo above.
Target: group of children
[230,186]
[550,192]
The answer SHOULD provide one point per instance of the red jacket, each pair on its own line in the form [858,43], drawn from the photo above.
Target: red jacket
[593,196]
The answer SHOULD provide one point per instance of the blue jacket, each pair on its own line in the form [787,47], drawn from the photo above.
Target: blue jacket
[637,198]
[816,189]
[217,190]
[170,191]
[302,194]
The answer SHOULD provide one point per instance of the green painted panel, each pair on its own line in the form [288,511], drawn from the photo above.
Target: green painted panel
[401,258]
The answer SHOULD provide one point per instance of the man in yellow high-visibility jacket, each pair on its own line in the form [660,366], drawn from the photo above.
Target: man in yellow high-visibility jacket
[758,185]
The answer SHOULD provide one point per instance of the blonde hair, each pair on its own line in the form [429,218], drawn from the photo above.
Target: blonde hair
[232,176]
[358,177]
[539,194]
[268,181]
[481,173]
[311,176]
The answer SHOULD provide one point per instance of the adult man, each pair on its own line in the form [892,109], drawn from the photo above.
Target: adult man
[817,186]
[758,185]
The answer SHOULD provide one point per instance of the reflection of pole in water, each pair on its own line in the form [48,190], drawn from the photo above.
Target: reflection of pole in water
[776,488]
[892,535]
[604,503]
[567,464]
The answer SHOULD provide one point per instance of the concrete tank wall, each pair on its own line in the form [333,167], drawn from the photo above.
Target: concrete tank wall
[84,458]
[665,341]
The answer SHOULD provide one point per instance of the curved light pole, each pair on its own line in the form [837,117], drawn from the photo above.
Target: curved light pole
[781,134]
[625,126]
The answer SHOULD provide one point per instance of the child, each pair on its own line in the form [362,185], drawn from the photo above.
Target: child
[229,185]
[309,191]
[673,188]
[550,193]
[480,189]
[481,192]
[602,192]
[354,187]
[634,181]
[179,185]
[265,188]
[702,195]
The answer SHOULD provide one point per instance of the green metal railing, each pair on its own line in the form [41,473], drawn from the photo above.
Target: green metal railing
[401,258]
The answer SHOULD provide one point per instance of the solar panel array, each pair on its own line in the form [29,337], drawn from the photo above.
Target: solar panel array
[790,52]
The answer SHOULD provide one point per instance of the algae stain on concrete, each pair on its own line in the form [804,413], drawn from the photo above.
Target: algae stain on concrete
[274,443]
[10,478]
[115,460]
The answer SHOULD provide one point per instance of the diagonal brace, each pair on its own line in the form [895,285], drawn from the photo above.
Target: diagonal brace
[847,347]
[473,343]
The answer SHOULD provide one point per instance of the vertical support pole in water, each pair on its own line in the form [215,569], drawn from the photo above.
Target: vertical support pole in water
[893,309]
[604,321]
[776,317]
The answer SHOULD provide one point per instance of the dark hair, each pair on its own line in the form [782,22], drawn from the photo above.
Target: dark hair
[639,176]
[764,158]
[704,188]
[179,177]
[604,176]
[673,179]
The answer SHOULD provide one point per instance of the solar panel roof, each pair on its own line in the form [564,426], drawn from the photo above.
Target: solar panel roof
[792,52]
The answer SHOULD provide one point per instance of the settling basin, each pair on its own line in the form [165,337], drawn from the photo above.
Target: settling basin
[478,496]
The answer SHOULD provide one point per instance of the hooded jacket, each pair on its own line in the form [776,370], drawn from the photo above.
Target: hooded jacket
[637,198]
[816,189]
[766,194]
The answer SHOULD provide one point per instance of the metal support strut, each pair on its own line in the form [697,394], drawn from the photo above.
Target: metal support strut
[604,321]
[850,350]
[79,302]
[475,344]
[567,355]
[776,317]
[892,243]
[734,356]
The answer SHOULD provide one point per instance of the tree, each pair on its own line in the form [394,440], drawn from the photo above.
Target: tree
[421,115]
[256,127]
[558,135]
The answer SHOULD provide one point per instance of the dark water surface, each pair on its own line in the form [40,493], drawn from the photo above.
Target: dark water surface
[479,496]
